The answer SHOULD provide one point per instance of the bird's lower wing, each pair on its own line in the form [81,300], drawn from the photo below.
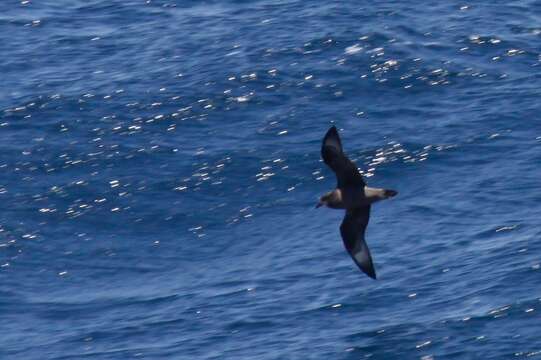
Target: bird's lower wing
[352,230]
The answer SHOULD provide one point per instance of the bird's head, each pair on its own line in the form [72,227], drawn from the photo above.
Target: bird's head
[327,199]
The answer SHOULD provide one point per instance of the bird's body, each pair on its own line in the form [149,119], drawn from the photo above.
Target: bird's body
[353,197]
[351,194]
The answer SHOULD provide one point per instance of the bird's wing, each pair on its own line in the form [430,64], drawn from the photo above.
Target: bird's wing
[352,230]
[346,171]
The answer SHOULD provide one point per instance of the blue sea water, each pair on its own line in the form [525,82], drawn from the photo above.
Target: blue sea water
[160,163]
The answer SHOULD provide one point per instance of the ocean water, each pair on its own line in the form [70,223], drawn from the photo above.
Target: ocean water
[160,163]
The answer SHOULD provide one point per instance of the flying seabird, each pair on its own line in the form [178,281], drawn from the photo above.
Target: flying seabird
[354,196]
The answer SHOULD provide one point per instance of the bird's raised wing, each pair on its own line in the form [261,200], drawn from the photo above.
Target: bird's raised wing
[346,171]
[352,231]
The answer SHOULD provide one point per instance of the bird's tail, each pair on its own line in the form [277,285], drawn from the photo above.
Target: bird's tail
[390,193]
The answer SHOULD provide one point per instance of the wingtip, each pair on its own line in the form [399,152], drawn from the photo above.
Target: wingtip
[370,272]
[332,138]
[329,132]
[368,269]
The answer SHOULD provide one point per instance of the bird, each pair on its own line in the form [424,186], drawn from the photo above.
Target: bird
[353,195]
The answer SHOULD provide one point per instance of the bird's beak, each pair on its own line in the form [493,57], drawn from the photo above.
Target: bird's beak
[319,204]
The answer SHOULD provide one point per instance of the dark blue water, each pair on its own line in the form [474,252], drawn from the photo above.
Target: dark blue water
[160,163]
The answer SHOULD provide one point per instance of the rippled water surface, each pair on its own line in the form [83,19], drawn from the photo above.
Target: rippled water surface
[160,165]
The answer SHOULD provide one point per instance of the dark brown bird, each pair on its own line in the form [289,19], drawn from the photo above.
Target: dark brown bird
[354,196]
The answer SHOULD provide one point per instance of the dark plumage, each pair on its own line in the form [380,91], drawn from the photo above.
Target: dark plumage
[345,169]
[354,196]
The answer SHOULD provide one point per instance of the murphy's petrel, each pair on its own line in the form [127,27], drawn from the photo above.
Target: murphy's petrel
[354,196]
